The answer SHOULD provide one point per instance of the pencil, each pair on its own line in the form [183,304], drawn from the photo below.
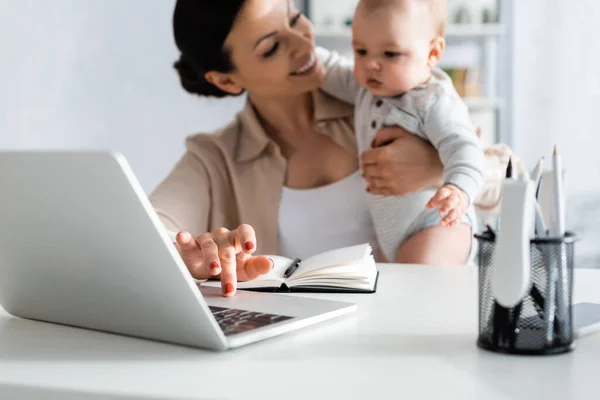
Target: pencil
[558,230]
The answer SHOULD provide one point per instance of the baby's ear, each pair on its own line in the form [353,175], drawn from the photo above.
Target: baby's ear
[436,51]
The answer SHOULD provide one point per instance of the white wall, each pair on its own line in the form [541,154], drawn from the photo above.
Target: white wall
[98,74]
[557,84]
[557,98]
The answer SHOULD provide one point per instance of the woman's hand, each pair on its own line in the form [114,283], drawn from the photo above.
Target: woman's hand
[400,163]
[223,254]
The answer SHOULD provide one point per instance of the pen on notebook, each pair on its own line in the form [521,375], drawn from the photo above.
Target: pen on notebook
[293,267]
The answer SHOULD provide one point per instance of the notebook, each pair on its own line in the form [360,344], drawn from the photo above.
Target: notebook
[344,270]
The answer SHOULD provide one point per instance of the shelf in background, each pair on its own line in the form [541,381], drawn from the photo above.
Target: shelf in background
[475,30]
[483,103]
[453,31]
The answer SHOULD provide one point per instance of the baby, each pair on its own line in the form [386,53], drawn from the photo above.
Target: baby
[395,82]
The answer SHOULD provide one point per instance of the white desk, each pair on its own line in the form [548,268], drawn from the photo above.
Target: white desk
[414,339]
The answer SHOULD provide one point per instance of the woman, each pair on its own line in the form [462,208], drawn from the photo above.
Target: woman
[287,165]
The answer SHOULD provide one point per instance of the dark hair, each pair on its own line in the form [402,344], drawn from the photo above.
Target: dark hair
[200,28]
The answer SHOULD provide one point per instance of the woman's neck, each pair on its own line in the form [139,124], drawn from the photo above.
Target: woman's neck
[286,116]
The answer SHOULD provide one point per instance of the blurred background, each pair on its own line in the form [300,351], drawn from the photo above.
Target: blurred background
[98,74]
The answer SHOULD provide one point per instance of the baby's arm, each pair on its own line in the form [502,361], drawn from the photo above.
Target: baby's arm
[339,76]
[448,127]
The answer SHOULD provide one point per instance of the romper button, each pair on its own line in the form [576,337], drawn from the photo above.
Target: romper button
[374,124]
[379,103]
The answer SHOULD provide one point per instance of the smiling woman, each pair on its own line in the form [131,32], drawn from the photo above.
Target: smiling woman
[261,180]
[210,66]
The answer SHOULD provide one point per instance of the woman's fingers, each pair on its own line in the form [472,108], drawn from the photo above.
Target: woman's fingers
[250,268]
[226,243]
[380,155]
[191,255]
[247,238]
[223,254]
[210,254]
[387,135]
[372,171]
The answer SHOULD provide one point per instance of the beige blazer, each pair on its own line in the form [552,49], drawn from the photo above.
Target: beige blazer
[237,175]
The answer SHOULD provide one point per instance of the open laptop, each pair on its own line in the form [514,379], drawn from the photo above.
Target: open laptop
[80,245]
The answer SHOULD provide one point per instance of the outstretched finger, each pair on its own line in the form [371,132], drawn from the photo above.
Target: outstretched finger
[226,243]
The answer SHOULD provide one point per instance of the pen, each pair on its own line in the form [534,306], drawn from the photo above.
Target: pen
[558,227]
[540,225]
[536,175]
[293,267]
[558,223]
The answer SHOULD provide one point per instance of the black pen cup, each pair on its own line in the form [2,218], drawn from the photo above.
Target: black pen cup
[542,322]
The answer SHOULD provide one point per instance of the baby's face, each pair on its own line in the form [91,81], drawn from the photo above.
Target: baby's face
[392,47]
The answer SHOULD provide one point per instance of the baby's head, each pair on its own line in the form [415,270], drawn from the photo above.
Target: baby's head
[396,43]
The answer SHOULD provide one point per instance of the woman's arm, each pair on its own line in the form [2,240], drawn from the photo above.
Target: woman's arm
[182,199]
[401,163]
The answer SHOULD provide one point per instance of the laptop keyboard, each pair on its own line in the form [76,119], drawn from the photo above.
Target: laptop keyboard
[233,321]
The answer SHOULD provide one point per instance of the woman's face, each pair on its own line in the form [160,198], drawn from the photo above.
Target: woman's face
[273,50]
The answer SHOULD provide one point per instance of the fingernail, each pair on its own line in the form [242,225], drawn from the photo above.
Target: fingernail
[249,246]
[228,288]
[272,263]
[214,265]
[184,238]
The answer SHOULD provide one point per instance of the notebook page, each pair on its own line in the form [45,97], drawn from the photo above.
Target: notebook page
[341,256]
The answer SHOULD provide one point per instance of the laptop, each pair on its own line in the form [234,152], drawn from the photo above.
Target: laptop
[81,245]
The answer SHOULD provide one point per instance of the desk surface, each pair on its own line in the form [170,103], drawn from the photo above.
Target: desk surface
[414,339]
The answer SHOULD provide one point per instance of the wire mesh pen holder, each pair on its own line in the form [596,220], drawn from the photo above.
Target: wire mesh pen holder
[542,322]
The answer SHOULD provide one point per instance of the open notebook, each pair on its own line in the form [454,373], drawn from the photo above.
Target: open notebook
[347,270]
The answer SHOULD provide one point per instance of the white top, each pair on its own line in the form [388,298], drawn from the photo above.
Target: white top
[331,216]
[413,339]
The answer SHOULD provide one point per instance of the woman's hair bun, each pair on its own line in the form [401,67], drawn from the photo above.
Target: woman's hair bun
[194,82]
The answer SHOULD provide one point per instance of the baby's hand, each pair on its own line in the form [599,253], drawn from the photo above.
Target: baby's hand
[452,202]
